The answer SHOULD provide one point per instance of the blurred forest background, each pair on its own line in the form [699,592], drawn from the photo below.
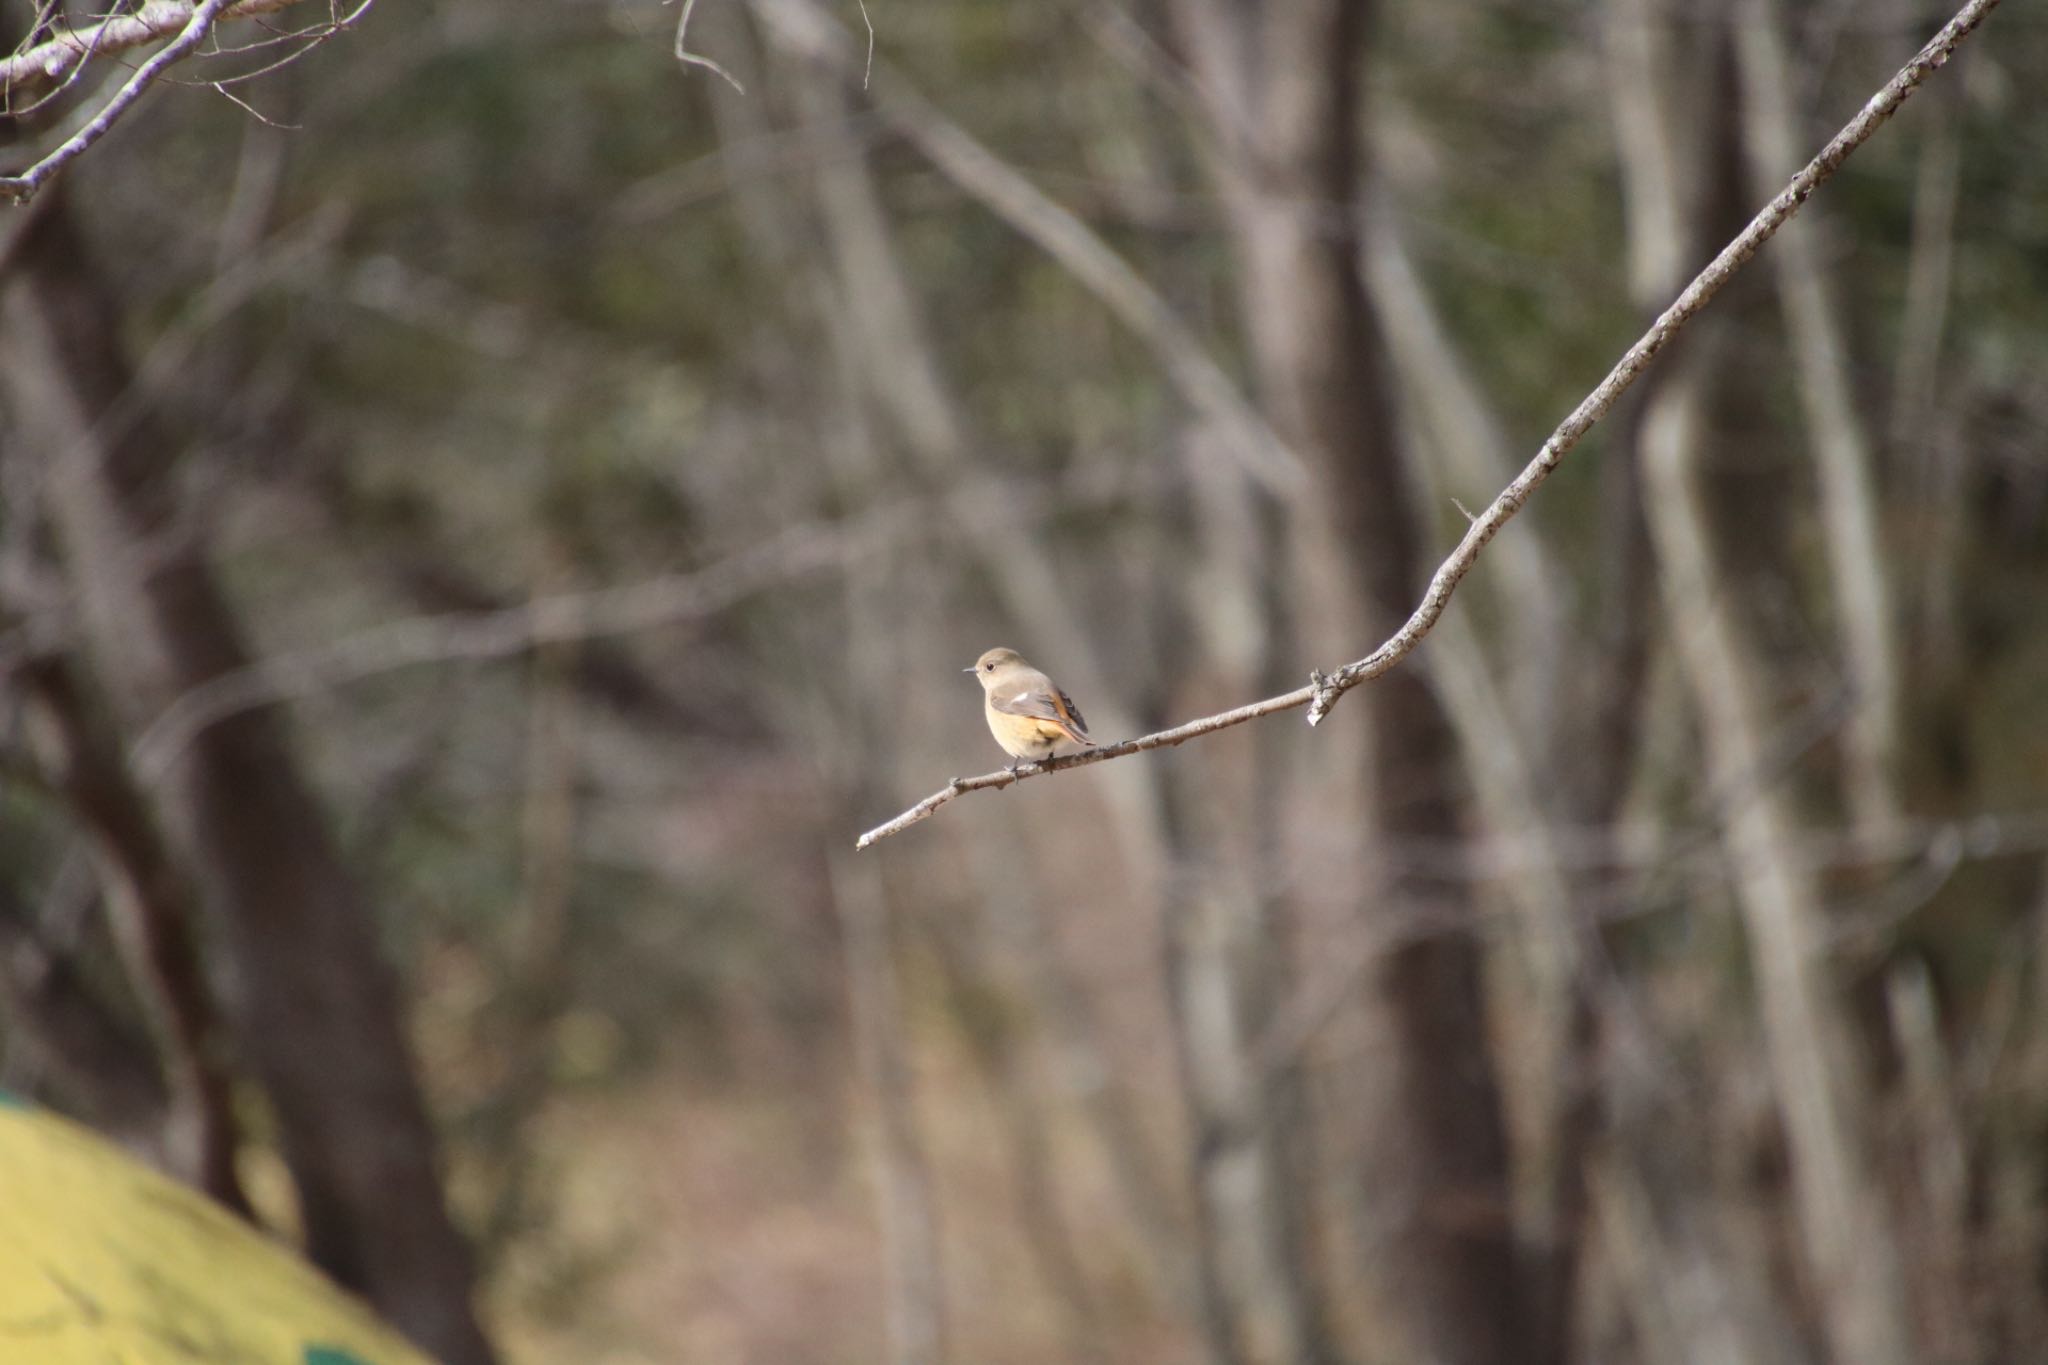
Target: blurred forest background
[484,532]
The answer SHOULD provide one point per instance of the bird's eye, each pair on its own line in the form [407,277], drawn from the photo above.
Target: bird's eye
[988,668]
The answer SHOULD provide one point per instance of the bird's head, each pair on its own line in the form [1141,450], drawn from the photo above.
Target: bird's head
[995,665]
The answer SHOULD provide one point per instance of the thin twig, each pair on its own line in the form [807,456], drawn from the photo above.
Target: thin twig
[689,58]
[307,39]
[867,72]
[251,110]
[1324,690]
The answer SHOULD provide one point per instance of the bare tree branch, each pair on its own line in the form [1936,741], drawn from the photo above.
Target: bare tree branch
[1324,690]
[197,25]
[151,906]
[689,58]
[62,55]
[508,630]
[1844,462]
[796,553]
[70,48]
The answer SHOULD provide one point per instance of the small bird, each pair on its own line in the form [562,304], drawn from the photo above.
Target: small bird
[1028,714]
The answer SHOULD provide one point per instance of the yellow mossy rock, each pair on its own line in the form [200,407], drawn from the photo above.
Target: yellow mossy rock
[106,1262]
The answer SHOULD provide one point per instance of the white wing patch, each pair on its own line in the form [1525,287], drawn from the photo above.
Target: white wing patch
[1020,699]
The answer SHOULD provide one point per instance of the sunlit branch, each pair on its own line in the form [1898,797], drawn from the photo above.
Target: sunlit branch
[66,49]
[59,57]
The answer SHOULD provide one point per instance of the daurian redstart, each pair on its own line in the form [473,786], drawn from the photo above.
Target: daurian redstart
[1028,714]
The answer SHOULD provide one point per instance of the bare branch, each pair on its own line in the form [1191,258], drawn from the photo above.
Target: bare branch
[689,58]
[792,555]
[867,71]
[1324,690]
[299,40]
[622,609]
[70,48]
[60,57]
[1162,739]
[251,110]
[23,187]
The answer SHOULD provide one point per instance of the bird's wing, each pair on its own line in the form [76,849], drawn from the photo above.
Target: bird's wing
[1040,700]
[1073,722]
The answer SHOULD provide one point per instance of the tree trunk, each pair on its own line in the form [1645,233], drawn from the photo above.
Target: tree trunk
[312,1003]
[1819,1086]
[1283,84]
[1860,583]
[905,1202]
[1843,1230]
[154,917]
[1252,1311]
[65,1044]
[1222,969]
[1556,750]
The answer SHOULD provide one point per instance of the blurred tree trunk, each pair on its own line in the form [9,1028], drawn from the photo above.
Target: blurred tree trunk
[312,1003]
[63,1042]
[1559,750]
[861,742]
[1255,1304]
[1228,928]
[1252,1309]
[1845,1233]
[1821,1093]
[1222,976]
[905,1202]
[154,916]
[1929,462]
[1220,959]
[867,745]
[1020,936]
[1555,1041]
[1283,86]
[918,408]
[1687,1294]
[1023,1103]
[1859,581]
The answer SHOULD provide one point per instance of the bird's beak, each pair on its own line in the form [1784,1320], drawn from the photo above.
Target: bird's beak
[968,669]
